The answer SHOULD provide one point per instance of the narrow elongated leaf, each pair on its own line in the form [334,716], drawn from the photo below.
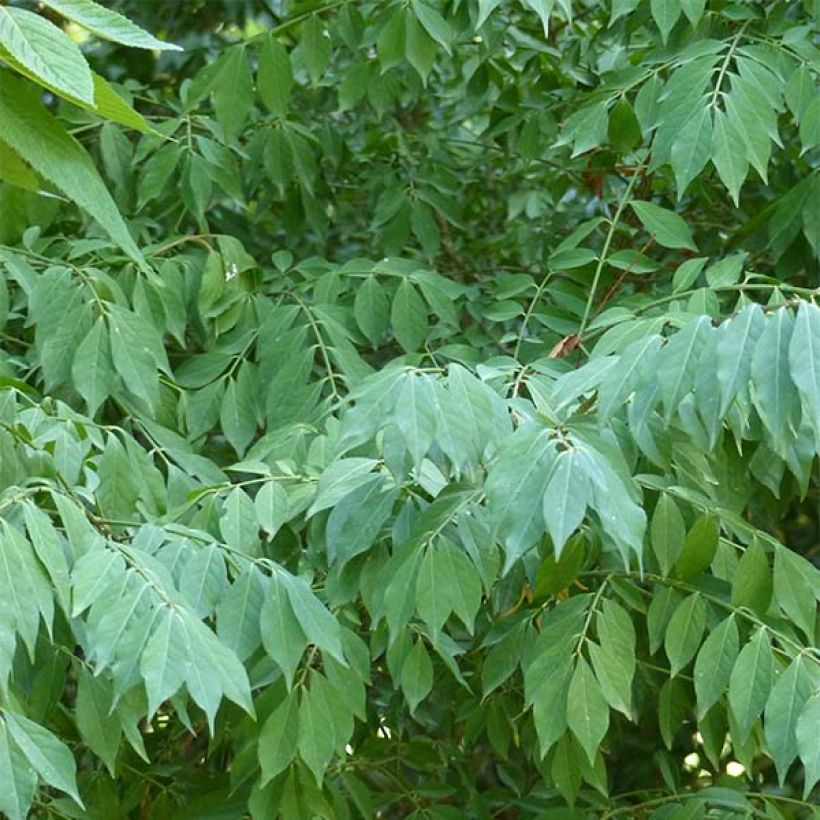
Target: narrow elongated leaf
[806,731]
[804,361]
[233,92]
[416,415]
[789,695]
[752,584]
[416,675]
[587,710]
[515,489]
[46,753]
[699,548]
[282,635]
[669,229]
[279,737]
[46,51]
[734,354]
[164,661]
[238,613]
[795,589]
[320,627]
[665,14]
[39,139]
[17,776]
[100,731]
[714,664]
[692,149]
[729,154]
[108,24]
[685,631]
[774,393]
[751,682]
[565,498]
[667,532]
[274,78]
[316,742]
[93,369]
[408,317]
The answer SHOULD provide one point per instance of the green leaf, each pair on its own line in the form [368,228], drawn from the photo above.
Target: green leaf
[108,24]
[46,51]
[40,140]
[773,391]
[238,613]
[752,583]
[17,776]
[665,14]
[164,661]
[624,131]
[118,489]
[316,48]
[237,414]
[371,309]
[391,40]
[99,729]
[692,149]
[734,353]
[795,586]
[729,154]
[316,742]
[566,497]
[687,273]
[274,76]
[93,369]
[136,348]
[278,738]
[356,521]
[684,632]
[233,93]
[806,731]
[667,532]
[434,24]
[693,9]
[485,9]
[46,753]
[666,226]
[318,624]
[751,682]
[515,488]
[587,710]
[714,664]
[614,676]
[408,317]
[727,271]
[282,635]
[804,361]
[549,701]
[48,545]
[340,478]
[789,695]
[810,126]
[420,47]
[699,548]
[238,523]
[204,580]
[800,91]
[14,171]
[416,675]
[271,504]
[415,415]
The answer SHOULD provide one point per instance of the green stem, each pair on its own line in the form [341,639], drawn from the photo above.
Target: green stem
[613,224]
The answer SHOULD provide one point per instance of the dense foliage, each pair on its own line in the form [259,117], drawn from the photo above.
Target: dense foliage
[409,409]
